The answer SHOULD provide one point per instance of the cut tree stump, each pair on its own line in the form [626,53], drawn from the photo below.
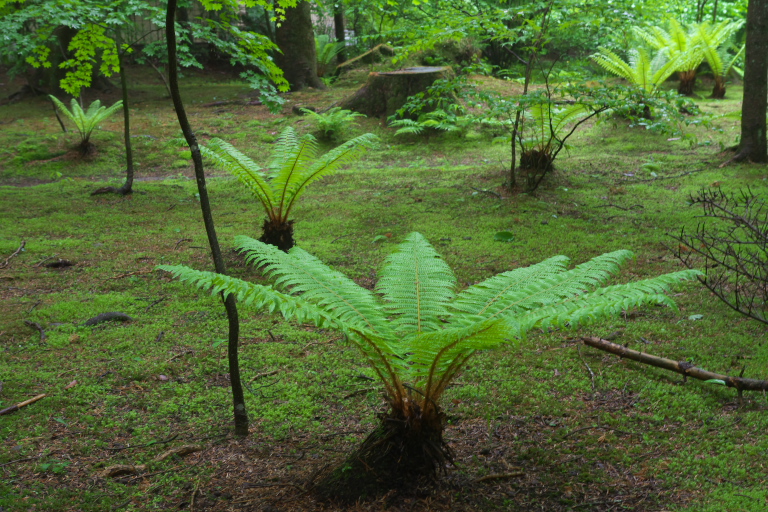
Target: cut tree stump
[384,93]
[375,54]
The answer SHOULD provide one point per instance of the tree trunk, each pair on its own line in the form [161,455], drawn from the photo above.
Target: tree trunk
[753,145]
[230,304]
[127,187]
[296,40]
[338,27]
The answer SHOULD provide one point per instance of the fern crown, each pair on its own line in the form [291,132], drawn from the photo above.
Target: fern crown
[86,121]
[414,327]
[293,167]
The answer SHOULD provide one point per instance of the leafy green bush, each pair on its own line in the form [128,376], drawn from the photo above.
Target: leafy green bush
[417,333]
[86,121]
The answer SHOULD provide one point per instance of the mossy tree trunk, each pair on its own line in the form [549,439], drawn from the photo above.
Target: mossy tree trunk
[753,144]
[687,82]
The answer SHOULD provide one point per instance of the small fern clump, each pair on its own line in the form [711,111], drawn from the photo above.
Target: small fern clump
[86,121]
[417,333]
[333,125]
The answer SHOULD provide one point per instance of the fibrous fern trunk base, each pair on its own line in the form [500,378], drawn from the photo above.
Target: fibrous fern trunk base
[687,82]
[534,165]
[279,234]
[718,92]
[405,451]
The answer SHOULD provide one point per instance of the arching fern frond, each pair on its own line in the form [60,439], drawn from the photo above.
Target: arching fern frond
[299,273]
[417,286]
[243,168]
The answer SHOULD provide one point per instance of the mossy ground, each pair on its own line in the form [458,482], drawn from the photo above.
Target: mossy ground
[529,427]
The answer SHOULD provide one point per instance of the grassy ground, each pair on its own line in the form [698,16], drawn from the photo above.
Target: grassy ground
[541,425]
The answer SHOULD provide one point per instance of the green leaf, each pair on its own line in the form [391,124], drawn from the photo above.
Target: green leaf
[715,381]
[695,317]
[504,236]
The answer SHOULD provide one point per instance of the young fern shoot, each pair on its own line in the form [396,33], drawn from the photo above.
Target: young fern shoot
[417,333]
[294,166]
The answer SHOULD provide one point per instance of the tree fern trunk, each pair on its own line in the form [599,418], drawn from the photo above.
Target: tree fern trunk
[687,81]
[718,91]
[278,233]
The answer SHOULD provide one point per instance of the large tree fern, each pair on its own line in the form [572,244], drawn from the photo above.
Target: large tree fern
[417,333]
[294,166]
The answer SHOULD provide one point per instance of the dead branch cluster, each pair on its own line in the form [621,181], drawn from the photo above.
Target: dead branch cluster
[730,244]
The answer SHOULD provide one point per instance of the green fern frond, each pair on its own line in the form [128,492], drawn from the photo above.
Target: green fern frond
[298,272]
[243,168]
[417,286]
[487,298]
[324,166]
[605,302]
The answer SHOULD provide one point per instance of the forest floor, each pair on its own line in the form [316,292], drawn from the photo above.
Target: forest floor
[543,424]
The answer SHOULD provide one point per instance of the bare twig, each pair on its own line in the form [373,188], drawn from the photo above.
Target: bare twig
[18,406]
[499,476]
[18,460]
[44,260]
[591,373]
[37,326]
[262,375]
[136,273]
[601,427]
[15,253]
[484,191]
[179,242]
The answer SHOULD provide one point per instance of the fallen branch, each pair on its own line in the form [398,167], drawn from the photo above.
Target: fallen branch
[682,367]
[262,375]
[112,316]
[18,406]
[16,253]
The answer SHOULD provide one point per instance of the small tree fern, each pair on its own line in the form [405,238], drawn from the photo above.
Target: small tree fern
[294,166]
[682,46]
[716,41]
[417,333]
[86,121]
[640,69]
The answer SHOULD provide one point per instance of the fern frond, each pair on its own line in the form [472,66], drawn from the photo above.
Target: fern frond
[559,287]
[488,297]
[243,168]
[300,273]
[608,301]
[325,165]
[612,63]
[417,285]
[86,121]
[254,295]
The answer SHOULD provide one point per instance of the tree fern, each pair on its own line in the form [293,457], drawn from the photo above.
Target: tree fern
[415,331]
[640,70]
[682,46]
[715,42]
[293,167]
[85,121]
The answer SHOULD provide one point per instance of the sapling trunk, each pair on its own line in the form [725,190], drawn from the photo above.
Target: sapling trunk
[240,414]
[127,187]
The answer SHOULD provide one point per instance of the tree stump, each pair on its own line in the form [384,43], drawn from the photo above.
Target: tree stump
[375,54]
[384,93]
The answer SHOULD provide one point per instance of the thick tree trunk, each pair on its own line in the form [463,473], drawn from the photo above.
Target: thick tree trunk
[296,40]
[754,146]
[338,27]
